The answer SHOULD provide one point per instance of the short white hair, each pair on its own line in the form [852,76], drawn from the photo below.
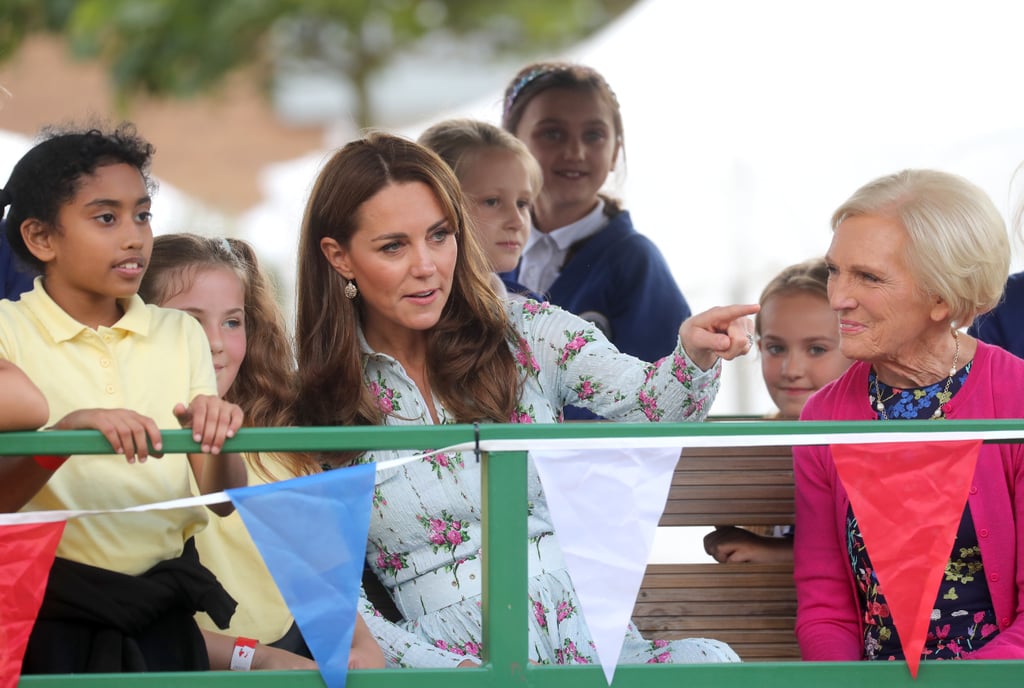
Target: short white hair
[958,249]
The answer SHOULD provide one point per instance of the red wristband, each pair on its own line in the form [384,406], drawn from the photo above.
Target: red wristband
[50,462]
[242,653]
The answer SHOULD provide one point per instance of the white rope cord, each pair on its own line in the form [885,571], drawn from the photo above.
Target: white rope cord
[824,438]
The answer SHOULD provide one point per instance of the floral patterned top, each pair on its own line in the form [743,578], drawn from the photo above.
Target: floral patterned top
[963,618]
[425,527]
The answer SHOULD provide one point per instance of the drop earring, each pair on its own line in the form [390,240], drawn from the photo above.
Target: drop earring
[351,290]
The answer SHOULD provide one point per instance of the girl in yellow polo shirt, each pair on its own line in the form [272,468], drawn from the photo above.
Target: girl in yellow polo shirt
[124,589]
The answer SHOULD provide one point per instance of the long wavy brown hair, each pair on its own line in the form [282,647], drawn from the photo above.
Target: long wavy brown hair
[469,362]
[266,385]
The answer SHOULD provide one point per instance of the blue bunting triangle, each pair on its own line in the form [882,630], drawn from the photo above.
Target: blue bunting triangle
[311,532]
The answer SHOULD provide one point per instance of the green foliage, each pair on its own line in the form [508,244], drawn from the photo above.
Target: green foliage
[183,47]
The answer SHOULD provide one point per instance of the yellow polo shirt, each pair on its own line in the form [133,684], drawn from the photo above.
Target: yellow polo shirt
[226,548]
[150,360]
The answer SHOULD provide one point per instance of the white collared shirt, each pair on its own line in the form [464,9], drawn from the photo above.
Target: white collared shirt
[545,253]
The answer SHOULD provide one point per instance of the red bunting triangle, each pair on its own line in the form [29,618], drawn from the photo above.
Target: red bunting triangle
[908,498]
[26,555]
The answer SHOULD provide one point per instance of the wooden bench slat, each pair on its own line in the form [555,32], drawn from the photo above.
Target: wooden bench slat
[750,606]
[715,597]
[702,626]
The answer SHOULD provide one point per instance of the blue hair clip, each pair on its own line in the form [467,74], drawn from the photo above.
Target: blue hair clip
[525,80]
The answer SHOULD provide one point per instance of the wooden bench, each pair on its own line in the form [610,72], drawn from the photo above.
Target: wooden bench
[750,606]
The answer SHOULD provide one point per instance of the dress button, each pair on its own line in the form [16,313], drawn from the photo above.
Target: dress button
[994,577]
[472,576]
[105,362]
[1004,622]
[974,490]
[983,532]
[455,584]
[110,389]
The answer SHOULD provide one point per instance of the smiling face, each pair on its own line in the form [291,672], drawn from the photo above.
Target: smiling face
[100,247]
[216,298]
[572,134]
[883,315]
[498,187]
[402,258]
[799,348]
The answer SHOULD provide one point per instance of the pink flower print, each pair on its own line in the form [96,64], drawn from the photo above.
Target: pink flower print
[586,388]
[524,357]
[568,654]
[469,648]
[522,416]
[390,562]
[988,629]
[575,341]
[680,370]
[878,609]
[539,613]
[387,399]
[532,308]
[942,631]
[649,405]
[979,617]
[563,611]
[437,531]
[445,462]
[658,644]
[663,658]
[445,532]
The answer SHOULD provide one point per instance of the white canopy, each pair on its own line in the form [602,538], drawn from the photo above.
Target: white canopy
[748,122]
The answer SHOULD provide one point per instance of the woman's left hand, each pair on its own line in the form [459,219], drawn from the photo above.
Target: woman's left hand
[719,332]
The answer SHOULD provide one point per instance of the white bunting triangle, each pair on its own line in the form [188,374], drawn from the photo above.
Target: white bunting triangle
[605,506]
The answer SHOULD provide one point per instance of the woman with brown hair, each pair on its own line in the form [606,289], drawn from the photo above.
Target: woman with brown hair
[398,324]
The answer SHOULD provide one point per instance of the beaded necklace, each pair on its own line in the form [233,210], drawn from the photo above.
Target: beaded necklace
[943,396]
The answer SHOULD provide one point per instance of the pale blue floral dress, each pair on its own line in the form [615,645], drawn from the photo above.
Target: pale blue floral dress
[425,528]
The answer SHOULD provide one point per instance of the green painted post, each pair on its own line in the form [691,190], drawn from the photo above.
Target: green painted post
[505,565]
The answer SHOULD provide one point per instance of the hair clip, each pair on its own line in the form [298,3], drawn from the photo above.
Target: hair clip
[525,80]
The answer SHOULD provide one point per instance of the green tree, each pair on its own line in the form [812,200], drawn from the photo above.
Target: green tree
[184,47]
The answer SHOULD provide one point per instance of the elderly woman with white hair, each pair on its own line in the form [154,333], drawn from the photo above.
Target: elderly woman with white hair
[915,256]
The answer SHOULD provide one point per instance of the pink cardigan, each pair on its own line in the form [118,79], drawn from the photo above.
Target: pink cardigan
[829,614]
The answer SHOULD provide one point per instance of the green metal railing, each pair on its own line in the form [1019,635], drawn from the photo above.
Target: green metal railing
[505,567]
